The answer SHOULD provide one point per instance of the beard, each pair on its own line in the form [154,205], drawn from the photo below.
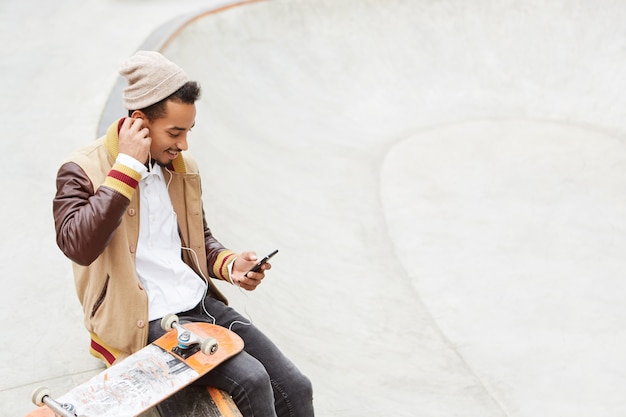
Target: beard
[159,163]
[164,164]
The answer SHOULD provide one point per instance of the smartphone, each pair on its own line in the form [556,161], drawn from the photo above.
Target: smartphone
[257,267]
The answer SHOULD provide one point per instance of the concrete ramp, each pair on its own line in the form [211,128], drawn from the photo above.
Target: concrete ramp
[445,182]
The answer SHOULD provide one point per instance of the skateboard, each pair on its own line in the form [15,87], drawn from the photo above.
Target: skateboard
[183,354]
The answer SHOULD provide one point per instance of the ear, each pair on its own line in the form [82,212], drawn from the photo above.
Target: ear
[138,114]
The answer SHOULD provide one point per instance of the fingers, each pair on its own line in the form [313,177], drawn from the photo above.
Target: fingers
[250,282]
[131,127]
[243,276]
[249,256]
[134,139]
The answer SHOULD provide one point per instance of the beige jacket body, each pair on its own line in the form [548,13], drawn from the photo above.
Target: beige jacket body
[96,212]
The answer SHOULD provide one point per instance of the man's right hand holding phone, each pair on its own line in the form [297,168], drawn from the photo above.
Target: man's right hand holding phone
[248,271]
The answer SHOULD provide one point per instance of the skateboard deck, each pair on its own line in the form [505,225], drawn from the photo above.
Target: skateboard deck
[147,377]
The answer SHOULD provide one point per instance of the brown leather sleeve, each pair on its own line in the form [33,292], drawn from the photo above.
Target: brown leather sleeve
[212,246]
[85,221]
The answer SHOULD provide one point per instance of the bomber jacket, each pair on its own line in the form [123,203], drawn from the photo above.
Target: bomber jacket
[96,214]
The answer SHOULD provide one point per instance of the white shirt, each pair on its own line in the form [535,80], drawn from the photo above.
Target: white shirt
[172,286]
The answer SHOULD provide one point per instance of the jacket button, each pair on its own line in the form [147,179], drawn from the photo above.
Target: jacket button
[140,286]
[132,248]
[140,324]
[131,212]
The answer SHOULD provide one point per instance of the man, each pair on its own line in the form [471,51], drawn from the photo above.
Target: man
[128,213]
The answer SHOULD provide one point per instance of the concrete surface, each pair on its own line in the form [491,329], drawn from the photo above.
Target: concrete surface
[444,180]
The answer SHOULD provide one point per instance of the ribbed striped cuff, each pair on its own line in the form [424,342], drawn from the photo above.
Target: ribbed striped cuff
[106,354]
[123,179]
[220,267]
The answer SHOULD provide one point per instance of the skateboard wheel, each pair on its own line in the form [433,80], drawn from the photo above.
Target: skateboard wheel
[209,346]
[168,321]
[38,395]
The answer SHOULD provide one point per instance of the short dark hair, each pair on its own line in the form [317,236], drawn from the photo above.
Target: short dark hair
[189,93]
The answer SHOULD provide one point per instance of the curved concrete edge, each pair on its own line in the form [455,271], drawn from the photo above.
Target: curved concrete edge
[157,41]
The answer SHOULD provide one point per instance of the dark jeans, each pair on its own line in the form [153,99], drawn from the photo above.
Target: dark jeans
[261,380]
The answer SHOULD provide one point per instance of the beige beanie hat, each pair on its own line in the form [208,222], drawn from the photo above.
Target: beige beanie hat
[151,78]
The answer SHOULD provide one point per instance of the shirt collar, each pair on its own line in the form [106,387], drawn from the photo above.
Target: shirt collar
[154,171]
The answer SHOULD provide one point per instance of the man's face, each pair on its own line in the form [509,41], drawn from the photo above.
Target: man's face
[169,133]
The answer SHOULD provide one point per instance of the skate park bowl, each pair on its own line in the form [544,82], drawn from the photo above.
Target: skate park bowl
[447,179]
[445,182]
[444,179]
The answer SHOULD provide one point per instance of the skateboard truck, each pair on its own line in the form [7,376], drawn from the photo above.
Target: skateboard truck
[41,397]
[188,342]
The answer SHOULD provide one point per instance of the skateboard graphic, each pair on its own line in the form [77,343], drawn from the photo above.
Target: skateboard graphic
[183,354]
